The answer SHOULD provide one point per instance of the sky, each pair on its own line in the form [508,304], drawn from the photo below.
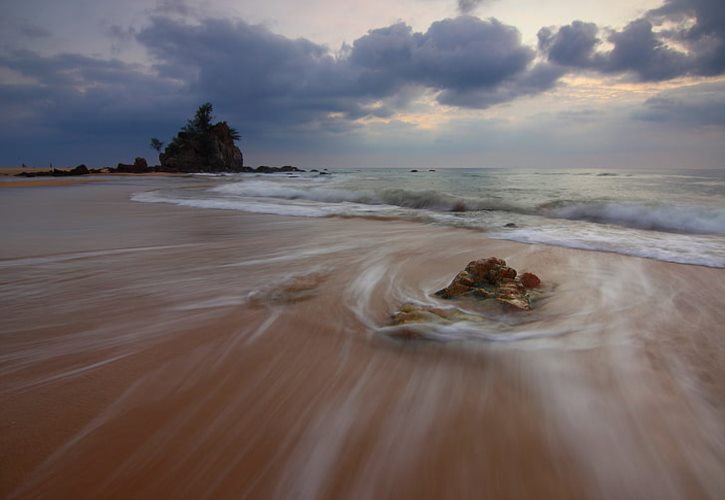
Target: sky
[352,83]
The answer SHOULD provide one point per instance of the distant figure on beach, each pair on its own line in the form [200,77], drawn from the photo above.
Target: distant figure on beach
[24,165]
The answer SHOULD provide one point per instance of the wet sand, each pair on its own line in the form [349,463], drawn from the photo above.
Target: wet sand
[8,177]
[157,351]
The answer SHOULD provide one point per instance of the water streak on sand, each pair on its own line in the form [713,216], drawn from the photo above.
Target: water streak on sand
[249,356]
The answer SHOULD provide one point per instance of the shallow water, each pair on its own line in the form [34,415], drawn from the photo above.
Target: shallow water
[177,351]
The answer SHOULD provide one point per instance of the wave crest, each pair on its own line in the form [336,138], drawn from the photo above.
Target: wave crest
[668,218]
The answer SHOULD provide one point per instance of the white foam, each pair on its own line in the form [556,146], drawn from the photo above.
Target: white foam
[677,218]
[684,249]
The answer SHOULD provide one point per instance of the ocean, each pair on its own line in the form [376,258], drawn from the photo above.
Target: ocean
[674,216]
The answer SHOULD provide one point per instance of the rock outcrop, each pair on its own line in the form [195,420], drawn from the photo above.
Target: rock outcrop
[79,170]
[209,151]
[139,167]
[492,279]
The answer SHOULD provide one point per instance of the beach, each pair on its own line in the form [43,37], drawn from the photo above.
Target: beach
[156,350]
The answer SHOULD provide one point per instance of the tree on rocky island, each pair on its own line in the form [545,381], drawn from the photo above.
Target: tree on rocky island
[203,146]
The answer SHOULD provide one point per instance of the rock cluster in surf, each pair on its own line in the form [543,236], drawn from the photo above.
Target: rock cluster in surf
[483,279]
[492,279]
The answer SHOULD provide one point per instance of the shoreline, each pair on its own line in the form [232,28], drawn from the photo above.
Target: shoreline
[17,182]
[192,352]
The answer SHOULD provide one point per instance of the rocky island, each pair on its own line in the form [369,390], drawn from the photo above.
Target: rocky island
[201,146]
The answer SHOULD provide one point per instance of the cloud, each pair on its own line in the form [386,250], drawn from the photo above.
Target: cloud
[571,45]
[695,46]
[473,63]
[700,105]
[265,83]
[468,6]
[21,28]
[71,102]
[269,77]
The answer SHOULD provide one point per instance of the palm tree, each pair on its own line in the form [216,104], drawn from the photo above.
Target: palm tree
[201,123]
[156,144]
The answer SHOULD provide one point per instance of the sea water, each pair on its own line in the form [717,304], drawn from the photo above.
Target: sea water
[675,216]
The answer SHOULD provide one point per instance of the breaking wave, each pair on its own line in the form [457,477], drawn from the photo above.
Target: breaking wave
[668,218]
[405,198]
[689,230]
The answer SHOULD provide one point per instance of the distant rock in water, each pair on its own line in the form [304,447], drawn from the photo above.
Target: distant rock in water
[492,279]
[264,169]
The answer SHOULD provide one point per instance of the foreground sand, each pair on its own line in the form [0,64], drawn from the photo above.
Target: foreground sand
[156,351]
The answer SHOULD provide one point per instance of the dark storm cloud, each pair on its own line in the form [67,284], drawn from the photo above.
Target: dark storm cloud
[571,45]
[249,68]
[473,63]
[643,51]
[68,101]
[264,82]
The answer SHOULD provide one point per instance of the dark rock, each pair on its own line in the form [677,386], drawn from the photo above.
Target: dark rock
[139,167]
[79,170]
[489,279]
[414,170]
[314,170]
[458,206]
[211,151]
[511,224]
[265,169]
[325,173]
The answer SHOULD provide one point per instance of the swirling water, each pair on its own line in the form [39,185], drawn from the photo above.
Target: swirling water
[676,216]
[153,351]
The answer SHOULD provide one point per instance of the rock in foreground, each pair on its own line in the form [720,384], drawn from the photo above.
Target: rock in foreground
[492,279]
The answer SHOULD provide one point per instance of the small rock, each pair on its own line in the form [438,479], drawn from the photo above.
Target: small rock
[530,280]
[79,170]
[491,279]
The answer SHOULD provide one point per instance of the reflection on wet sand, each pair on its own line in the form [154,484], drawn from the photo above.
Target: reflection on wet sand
[205,354]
